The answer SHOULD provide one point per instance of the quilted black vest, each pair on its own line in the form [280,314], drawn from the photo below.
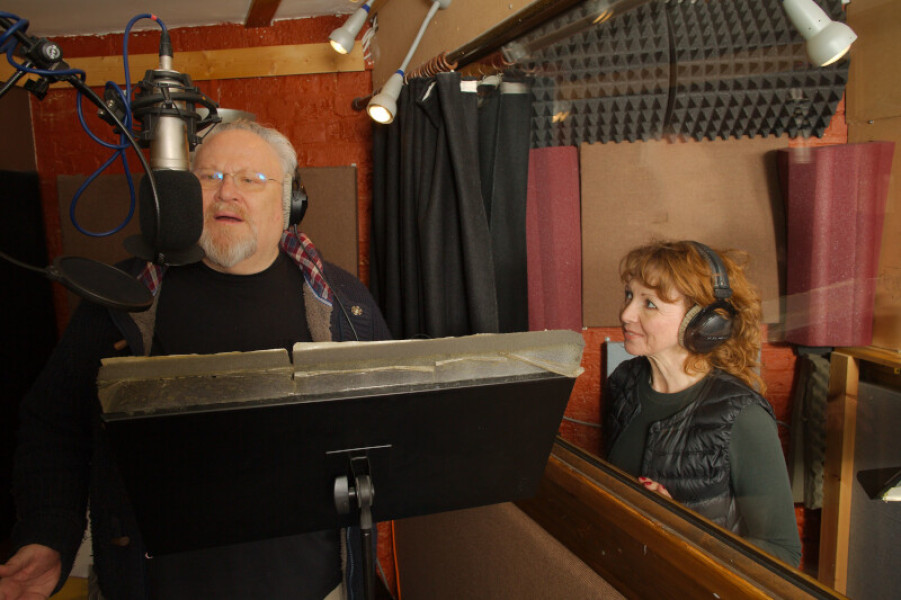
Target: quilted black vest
[688,452]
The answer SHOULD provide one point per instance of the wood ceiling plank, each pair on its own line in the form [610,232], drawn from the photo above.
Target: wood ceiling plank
[261,13]
[233,63]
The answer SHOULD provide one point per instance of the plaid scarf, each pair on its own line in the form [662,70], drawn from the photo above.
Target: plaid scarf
[299,247]
[296,245]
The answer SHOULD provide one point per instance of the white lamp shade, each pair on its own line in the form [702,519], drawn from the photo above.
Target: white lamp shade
[383,106]
[342,42]
[830,44]
[827,40]
[342,38]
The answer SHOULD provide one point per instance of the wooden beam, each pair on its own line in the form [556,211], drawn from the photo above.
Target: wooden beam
[838,470]
[261,12]
[880,356]
[642,545]
[233,63]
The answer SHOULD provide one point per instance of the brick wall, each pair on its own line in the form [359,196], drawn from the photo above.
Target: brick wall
[312,110]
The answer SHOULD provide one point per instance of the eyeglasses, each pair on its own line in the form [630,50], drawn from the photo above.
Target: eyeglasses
[247,182]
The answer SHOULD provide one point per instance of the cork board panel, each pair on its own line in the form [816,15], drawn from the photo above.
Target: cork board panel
[724,193]
[102,206]
[871,93]
[874,113]
[331,219]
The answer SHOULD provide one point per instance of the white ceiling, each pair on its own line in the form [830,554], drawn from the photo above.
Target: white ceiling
[82,17]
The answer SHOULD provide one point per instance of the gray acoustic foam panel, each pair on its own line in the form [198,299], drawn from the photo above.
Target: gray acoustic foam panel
[691,69]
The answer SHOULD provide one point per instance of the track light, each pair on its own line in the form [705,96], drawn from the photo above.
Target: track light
[827,40]
[342,38]
[383,106]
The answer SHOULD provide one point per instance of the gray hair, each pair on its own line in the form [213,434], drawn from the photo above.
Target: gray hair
[283,148]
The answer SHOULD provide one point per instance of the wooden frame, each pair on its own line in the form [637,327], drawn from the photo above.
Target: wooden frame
[648,546]
[838,476]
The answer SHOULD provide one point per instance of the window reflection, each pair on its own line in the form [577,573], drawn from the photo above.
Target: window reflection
[672,77]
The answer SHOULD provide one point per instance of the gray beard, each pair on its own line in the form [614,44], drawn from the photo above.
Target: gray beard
[229,253]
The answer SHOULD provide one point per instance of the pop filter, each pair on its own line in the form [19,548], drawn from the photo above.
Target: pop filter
[180,216]
[100,283]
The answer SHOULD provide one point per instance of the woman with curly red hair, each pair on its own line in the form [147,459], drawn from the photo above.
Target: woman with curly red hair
[687,415]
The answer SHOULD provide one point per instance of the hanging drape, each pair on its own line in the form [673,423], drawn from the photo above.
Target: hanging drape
[504,133]
[835,208]
[448,245]
[554,229]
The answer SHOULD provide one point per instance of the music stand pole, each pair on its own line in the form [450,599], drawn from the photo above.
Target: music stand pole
[363,492]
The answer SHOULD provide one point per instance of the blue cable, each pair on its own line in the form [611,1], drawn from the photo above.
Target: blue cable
[122,146]
[8,44]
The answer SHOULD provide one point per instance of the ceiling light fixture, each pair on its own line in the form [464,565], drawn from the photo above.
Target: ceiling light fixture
[342,38]
[383,106]
[827,40]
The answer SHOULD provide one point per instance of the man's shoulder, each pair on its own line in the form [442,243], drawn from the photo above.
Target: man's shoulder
[339,277]
[355,297]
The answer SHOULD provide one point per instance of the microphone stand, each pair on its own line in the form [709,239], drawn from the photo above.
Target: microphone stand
[93,281]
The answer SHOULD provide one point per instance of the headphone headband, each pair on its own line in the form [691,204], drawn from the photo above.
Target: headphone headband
[721,289]
[703,329]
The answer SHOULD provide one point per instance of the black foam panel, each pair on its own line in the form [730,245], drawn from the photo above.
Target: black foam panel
[681,69]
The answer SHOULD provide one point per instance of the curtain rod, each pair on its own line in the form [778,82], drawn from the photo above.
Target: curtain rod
[531,17]
[515,26]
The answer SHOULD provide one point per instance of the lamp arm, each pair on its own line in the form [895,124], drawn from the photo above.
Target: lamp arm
[436,4]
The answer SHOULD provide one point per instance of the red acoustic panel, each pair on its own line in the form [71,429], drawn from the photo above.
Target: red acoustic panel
[835,198]
[554,239]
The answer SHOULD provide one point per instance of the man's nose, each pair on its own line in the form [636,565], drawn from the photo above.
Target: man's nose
[227,188]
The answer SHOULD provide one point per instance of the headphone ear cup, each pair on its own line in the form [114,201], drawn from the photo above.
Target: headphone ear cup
[705,329]
[295,200]
[686,322]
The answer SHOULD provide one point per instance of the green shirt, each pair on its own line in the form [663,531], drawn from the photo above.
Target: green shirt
[759,473]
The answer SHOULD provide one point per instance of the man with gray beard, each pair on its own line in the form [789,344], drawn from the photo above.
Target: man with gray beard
[261,285]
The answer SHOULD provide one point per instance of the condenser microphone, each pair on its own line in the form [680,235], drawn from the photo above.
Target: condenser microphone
[170,200]
[169,233]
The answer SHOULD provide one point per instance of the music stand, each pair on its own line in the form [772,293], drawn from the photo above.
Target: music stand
[224,449]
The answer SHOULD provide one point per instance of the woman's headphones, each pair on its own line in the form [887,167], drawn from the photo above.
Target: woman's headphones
[705,328]
[294,200]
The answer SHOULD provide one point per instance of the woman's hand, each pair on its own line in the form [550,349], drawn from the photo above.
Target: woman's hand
[653,486]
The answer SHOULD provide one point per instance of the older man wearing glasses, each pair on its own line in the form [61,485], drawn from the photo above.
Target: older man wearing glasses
[260,285]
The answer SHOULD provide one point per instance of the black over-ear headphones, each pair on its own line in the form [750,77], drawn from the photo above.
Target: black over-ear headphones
[295,200]
[705,328]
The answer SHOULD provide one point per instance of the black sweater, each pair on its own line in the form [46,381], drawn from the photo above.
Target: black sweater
[62,456]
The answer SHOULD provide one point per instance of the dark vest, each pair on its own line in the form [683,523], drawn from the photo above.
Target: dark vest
[688,452]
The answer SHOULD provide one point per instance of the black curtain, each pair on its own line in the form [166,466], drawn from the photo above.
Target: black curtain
[504,133]
[434,257]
